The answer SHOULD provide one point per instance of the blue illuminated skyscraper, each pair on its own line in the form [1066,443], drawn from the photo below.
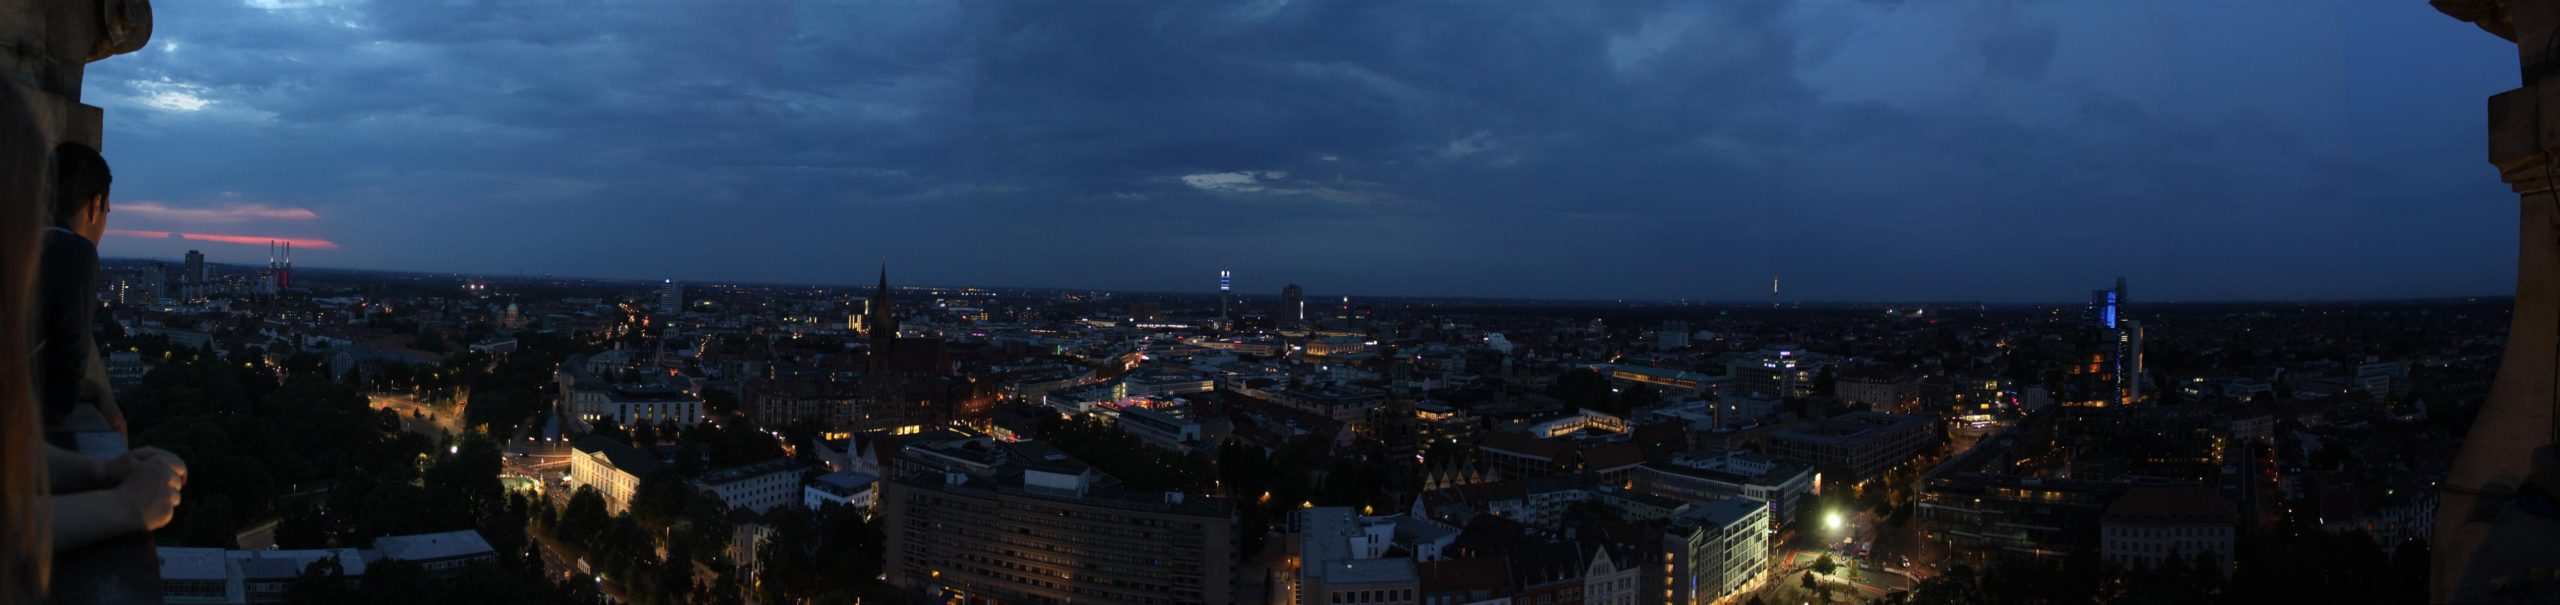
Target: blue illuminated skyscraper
[2113,371]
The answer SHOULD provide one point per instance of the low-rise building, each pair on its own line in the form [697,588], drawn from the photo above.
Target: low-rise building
[1518,456]
[1164,429]
[214,576]
[756,487]
[2147,525]
[1856,446]
[444,555]
[843,488]
[612,469]
[1723,474]
[1341,560]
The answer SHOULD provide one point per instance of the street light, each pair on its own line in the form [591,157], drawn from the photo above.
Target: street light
[1832,521]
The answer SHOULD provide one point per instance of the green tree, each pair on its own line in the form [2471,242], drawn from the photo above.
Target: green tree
[584,516]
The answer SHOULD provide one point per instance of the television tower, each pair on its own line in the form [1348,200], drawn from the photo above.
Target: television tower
[1773,285]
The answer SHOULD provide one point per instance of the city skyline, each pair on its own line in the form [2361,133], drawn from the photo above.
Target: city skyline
[1654,151]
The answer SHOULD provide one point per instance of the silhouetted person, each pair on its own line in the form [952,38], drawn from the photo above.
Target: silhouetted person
[68,371]
[52,500]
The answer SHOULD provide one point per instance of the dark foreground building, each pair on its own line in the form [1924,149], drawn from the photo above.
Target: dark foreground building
[1046,533]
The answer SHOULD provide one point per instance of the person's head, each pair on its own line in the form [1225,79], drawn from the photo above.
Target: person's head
[80,180]
[26,520]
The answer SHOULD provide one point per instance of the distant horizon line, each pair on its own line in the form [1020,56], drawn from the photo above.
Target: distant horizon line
[1620,301]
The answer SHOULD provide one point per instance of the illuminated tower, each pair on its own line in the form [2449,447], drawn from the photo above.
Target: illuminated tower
[274,277]
[2103,373]
[1225,289]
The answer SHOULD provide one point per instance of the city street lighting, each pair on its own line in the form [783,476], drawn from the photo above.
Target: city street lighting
[1832,521]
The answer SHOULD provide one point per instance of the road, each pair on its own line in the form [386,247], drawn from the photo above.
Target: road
[421,417]
[1787,574]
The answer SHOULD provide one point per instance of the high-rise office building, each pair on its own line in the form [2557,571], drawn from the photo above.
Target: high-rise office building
[2107,366]
[191,285]
[1293,305]
[1225,290]
[670,298]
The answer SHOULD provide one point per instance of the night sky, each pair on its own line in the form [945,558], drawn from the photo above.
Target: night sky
[1572,149]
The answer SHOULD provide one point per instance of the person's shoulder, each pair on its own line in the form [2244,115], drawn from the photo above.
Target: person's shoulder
[58,238]
[62,247]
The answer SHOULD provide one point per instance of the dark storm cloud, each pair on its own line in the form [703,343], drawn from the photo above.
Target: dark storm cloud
[1565,149]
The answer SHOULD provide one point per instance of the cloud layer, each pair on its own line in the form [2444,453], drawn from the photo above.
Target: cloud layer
[1623,149]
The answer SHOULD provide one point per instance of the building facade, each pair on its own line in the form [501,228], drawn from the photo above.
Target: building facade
[611,468]
[1725,474]
[1713,550]
[1046,537]
[757,487]
[1855,446]
[2146,526]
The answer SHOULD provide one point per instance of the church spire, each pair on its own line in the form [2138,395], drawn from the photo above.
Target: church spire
[883,321]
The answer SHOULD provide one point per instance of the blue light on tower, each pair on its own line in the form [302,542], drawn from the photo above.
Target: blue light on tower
[2103,308]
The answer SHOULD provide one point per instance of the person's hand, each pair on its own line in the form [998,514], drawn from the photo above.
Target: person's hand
[114,470]
[151,487]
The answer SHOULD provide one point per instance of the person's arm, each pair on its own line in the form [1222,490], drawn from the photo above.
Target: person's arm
[144,501]
[99,391]
[68,471]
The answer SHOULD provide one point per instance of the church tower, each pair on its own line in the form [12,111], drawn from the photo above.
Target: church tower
[883,321]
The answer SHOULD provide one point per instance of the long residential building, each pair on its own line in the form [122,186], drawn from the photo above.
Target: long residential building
[214,576]
[756,487]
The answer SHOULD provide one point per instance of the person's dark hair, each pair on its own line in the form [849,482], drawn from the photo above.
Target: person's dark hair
[80,175]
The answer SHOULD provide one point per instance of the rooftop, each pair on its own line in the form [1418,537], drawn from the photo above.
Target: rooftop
[736,474]
[844,483]
[2184,504]
[628,459]
[1717,513]
[433,547]
[1327,534]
